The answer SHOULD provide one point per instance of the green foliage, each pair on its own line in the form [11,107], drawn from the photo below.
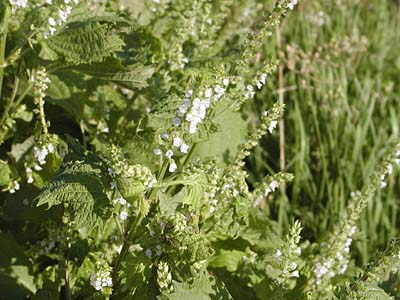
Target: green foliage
[139,155]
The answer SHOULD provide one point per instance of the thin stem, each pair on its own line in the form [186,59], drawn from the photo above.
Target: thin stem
[3,39]
[10,101]
[281,101]
[66,278]
[127,108]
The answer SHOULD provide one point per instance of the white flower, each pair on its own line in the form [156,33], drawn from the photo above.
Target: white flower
[172,167]
[157,151]
[122,200]
[295,273]
[177,142]
[148,253]
[19,3]
[169,153]
[52,21]
[225,81]
[390,169]
[383,184]
[250,91]
[184,148]
[176,121]
[272,126]
[113,184]
[165,136]
[208,93]
[123,215]
[50,147]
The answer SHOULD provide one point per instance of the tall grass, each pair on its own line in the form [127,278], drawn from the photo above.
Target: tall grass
[341,76]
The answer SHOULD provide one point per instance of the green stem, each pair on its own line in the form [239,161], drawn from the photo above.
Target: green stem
[10,101]
[3,38]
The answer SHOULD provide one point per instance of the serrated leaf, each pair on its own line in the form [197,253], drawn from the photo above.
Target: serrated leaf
[133,77]
[82,43]
[200,289]
[79,188]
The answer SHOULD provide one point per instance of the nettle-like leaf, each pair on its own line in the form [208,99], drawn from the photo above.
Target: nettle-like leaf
[135,76]
[80,188]
[201,289]
[82,43]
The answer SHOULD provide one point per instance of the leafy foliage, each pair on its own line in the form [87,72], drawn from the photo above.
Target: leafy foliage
[130,158]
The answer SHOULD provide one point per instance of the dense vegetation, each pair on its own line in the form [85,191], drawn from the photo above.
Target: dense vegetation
[224,149]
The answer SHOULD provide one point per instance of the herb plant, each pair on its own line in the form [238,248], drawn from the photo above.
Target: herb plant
[123,159]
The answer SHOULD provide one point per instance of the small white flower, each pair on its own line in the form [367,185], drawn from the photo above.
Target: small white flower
[165,136]
[208,93]
[148,253]
[50,148]
[172,167]
[225,81]
[176,121]
[383,184]
[157,151]
[123,215]
[390,169]
[113,184]
[295,273]
[122,200]
[52,21]
[184,148]
[177,142]
[272,126]
[169,153]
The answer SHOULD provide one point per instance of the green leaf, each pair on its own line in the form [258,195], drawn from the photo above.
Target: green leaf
[5,173]
[200,289]
[133,77]
[229,259]
[82,43]
[57,88]
[224,143]
[136,272]
[374,292]
[16,275]
[80,189]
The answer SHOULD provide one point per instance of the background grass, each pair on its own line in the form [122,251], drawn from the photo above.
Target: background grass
[341,74]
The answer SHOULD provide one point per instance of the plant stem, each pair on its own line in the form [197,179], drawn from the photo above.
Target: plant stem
[66,278]
[3,38]
[281,101]
[10,101]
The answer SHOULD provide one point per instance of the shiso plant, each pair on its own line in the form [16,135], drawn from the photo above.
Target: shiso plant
[123,155]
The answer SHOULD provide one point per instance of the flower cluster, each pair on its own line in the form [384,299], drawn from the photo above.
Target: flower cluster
[192,109]
[101,279]
[123,214]
[335,264]
[288,253]
[40,153]
[164,277]
[18,3]
[268,123]
[41,81]
[268,185]
[60,18]
[292,4]
[13,187]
